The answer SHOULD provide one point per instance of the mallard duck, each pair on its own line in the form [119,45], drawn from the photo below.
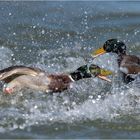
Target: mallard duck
[128,64]
[19,77]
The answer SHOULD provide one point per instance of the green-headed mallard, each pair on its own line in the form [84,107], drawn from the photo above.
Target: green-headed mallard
[128,64]
[19,77]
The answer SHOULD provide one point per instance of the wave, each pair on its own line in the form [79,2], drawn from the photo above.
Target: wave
[87,100]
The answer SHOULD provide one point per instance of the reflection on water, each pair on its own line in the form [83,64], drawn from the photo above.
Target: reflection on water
[58,37]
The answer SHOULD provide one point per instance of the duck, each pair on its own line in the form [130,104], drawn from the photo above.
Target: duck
[129,65]
[19,77]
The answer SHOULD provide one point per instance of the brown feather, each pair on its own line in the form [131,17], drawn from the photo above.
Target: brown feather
[132,68]
[59,82]
[130,59]
[132,63]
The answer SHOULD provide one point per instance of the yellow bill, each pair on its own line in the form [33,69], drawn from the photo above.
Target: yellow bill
[101,73]
[104,73]
[98,52]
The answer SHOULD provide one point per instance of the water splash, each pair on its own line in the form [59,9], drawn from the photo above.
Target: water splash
[5,57]
[89,99]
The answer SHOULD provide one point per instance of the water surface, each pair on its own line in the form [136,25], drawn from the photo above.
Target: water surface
[59,37]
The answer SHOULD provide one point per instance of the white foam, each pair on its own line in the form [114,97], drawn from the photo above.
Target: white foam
[87,99]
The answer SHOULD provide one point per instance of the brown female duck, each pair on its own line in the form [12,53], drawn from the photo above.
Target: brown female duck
[19,77]
[128,64]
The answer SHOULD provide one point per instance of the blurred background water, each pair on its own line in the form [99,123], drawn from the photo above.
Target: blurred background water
[59,37]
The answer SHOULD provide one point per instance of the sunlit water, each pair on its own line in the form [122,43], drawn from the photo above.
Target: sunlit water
[58,37]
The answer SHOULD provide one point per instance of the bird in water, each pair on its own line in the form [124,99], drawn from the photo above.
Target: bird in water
[20,77]
[129,65]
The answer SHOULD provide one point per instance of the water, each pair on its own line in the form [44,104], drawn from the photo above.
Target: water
[59,37]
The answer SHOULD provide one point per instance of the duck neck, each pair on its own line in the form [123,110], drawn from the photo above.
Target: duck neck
[80,73]
[120,57]
[122,53]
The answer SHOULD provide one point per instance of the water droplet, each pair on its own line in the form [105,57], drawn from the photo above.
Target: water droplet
[34,27]
[99,96]
[85,12]
[35,106]
[43,31]
[93,101]
[91,97]
[12,54]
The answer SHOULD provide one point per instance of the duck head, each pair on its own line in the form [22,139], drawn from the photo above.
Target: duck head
[100,72]
[88,71]
[111,45]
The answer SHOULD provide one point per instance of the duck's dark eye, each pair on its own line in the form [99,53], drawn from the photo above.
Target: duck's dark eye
[94,70]
[107,47]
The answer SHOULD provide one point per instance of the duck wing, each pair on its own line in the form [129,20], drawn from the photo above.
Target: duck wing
[130,68]
[12,72]
[130,59]
[130,64]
